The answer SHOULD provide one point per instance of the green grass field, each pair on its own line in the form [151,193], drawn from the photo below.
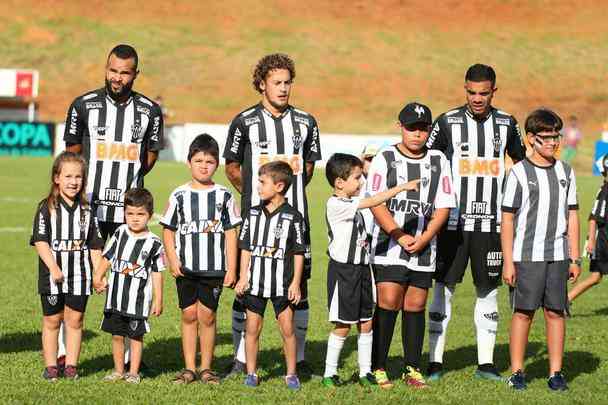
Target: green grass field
[24,182]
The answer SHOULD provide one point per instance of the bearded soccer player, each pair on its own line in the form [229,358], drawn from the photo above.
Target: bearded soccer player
[268,131]
[475,138]
[119,132]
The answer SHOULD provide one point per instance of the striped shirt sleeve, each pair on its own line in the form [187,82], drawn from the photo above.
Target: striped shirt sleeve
[112,247]
[512,193]
[41,230]
[342,209]
[245,235]
[94,239]
[158,262]
[376,178]
[598,212]
[170,219]
[296,239]
[445,198]
[572,197]
[231,216]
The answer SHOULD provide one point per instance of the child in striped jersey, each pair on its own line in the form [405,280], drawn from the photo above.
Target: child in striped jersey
[272,262]
[201,241]
[134,256]
[540,245]
[597,240]
[67,240]
[350,284]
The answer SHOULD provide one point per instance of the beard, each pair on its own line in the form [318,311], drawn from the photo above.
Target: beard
[123,93]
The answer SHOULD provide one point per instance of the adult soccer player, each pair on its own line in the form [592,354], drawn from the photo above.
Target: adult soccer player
[475,138]
[268,131]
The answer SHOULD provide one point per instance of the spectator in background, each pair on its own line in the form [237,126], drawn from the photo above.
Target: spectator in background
[167,113]
[571,136]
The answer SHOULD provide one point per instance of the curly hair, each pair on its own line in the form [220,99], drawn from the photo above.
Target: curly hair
[269,63]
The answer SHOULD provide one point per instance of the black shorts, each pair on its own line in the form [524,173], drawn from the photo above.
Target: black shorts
[350,292]
[454,248]
[541,284]
[120,325]
[53,304]
[206,290]
[239,306]
[403,275]
[107,229]
[597,266]
[257,304]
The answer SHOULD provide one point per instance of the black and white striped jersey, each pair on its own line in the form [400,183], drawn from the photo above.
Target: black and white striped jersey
[115,140]
[412,210]
[348,239]
[71,232]
[540,198]
[199,218]
[599,214]
[476,151]
[273,239]
[133,259]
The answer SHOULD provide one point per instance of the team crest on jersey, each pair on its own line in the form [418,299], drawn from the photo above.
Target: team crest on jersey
[137,133]
[296,139]
[219,207]
[83,223]
[278,232]
[144,254]
[425,181]
[464,148]
[396,163]
[563,182]
[52,299]
[133,324]
[497,143]
[101,131]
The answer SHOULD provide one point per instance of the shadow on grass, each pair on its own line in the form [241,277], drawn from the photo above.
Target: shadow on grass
[575,364]
[596,312]
[30,341]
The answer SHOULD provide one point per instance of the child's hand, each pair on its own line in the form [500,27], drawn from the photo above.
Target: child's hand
[411,185]
[230,279]
[590,245]
[241,287]
[509,274]
[176,268]
[293,293]
[416,246]
[100,284]
[157,308]
[573,272]
[405,241]
[56,275]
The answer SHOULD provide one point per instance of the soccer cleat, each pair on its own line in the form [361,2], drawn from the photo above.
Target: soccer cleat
[114,376]
[557,382]
[488,372]
[331,382]
[382,379]
[292,381]
[132,378]
[435,371]
[70,372]
[236,368]
[251,380]
[413,377]
[368,382]
[50,373]
[517,381]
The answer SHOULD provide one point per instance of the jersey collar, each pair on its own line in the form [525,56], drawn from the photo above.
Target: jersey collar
[111,100]
[268,113]
[470,114]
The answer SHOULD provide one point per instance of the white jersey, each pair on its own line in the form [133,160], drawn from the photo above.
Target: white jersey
[346,231]
[412,210]
[368,217]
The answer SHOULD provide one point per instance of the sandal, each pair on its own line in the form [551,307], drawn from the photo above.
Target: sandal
[185,377]
[208,376]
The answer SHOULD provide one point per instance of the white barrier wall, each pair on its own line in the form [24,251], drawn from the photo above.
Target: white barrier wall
[179,137]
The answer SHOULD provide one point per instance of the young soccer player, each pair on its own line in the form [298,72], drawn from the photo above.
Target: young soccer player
[539,236]
[134,256]
[350,286]
[67,240]
[201,243]
[272,261]
[597,239]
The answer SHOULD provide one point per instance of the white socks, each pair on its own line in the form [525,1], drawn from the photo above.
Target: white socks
[334,347]
[486,322]
[440,312]
[364,353]
[61,341]
[300,320]
[238,335]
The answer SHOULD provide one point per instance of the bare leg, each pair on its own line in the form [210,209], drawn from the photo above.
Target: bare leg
[189,332]
[50,333]
[137,344]
[520,328]
[118,353]
[593,279]
[207,326]
[73,325]
[253,328]
[556,331]
[286,327]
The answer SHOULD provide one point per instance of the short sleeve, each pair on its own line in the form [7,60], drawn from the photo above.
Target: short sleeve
[515,146]
[342,209]
[598,211]
[235,142]
[445,197]
[296,243]
[41,229]
[155,131]
[312,145]
[158,262]
[437,138]
[512,193]
[112,246]
[245,236]
[94,239]
[572,197]
[231,216]
[75,125]
[377,175]
[170,219]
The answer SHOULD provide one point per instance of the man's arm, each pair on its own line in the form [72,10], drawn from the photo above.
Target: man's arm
[151,158]
[75,126]
[233,172]
[310,170]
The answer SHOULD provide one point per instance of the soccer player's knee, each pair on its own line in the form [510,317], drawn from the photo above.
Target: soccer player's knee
[553,314]
[207,320]
[73,322]
[52,322]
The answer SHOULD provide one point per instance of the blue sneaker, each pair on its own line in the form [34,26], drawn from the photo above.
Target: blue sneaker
[557,382]
[517,381]
[251,380]
[292,381]
[488,372]
[434,372]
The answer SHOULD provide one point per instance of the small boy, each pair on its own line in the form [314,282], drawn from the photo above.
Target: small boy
[540,237]
[134,256]
[200,238]
[597,239]
[272,261]
[350,284]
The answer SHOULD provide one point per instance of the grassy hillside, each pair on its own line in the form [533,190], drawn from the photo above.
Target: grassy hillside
[357,62]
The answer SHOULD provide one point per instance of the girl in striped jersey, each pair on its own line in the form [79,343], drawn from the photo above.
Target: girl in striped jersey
[67,240]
